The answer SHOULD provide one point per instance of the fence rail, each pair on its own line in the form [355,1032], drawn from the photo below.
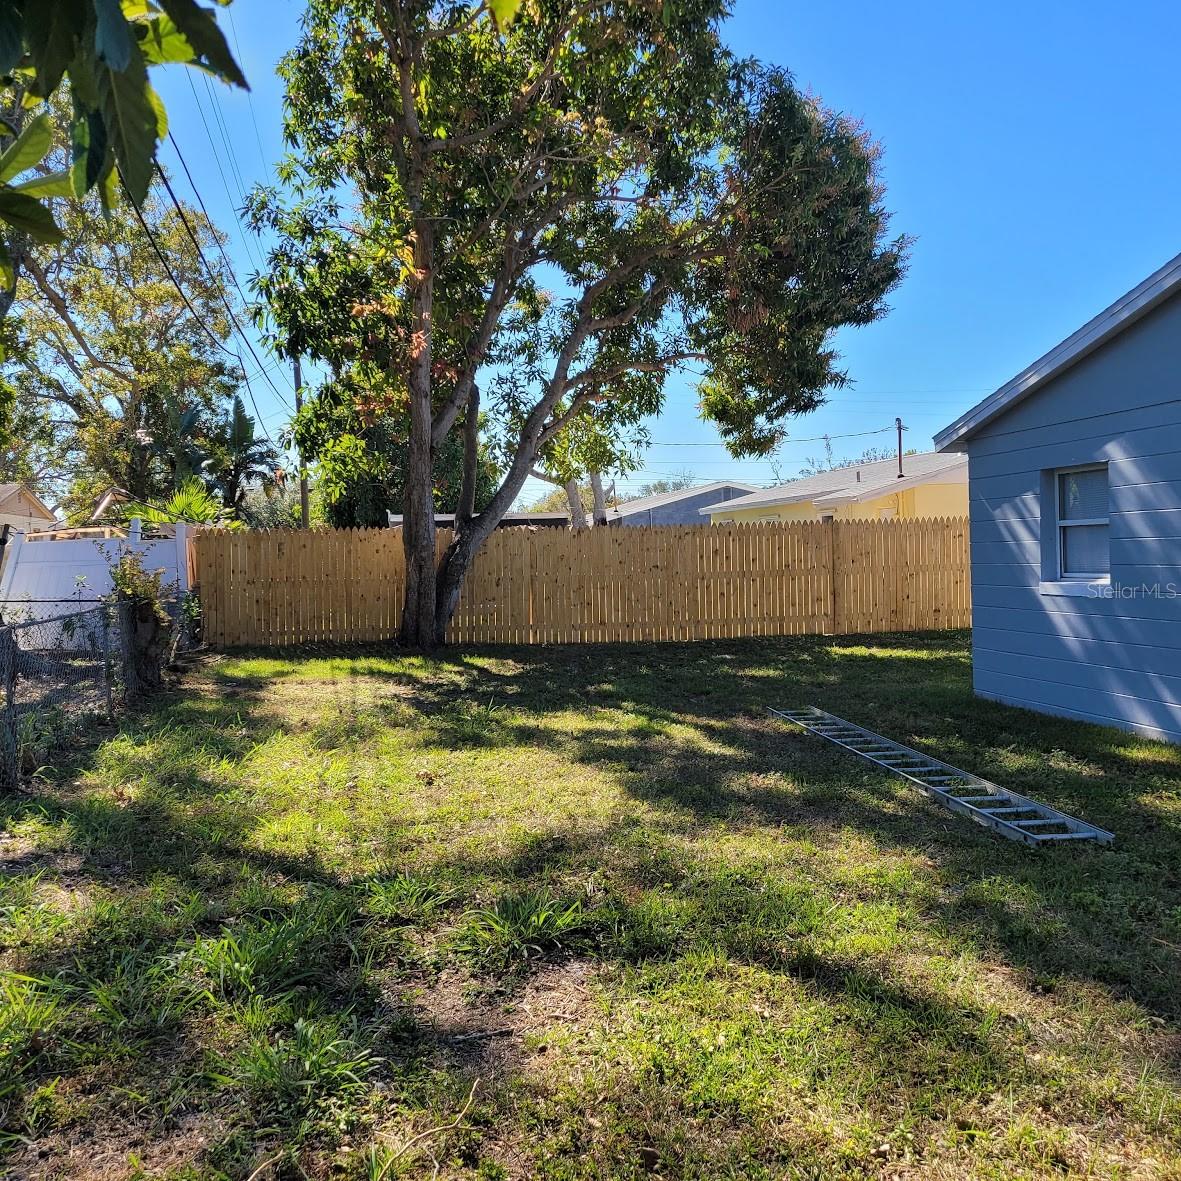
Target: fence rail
[290,587]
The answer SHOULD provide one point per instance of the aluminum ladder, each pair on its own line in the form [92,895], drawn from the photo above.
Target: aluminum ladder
[1014,816]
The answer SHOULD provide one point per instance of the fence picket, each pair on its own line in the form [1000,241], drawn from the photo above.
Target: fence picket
[530,586]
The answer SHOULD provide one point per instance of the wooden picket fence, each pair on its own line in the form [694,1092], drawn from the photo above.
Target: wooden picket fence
[554,586]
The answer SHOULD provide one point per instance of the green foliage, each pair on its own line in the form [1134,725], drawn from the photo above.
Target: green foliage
[685,210]
[132,580]
[31,1013]
[269,506]
[272,954]
[103,50]
[115,382]
[404,898]
[556,501]
[520,926]
[355,432]
[238,457]
[192,503]
[302,1078]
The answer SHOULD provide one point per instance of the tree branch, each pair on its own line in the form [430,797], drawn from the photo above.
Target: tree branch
[59,305]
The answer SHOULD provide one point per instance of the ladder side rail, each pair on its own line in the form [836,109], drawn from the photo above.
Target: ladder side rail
[961,777]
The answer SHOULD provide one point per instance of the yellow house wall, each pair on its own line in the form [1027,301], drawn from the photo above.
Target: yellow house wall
[22,513]
[926,500]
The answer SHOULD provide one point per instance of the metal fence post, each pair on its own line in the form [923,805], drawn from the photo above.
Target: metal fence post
[9,747]
[108,688]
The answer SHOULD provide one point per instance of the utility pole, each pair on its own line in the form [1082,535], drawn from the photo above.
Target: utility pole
[901,428]
[304,517]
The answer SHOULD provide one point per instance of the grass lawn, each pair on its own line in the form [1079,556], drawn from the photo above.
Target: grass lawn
[282,925]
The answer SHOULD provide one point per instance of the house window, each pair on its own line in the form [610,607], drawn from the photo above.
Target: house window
[1082,523]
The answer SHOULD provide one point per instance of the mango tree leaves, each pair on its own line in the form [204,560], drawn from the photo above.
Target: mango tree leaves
[50,36]
[503,11]
[29,148]
[199,28]
[28,215]
[112,38]
[135,122]
[53,184]
[104,48]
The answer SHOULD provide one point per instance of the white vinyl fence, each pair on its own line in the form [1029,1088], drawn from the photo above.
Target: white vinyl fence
[45,578]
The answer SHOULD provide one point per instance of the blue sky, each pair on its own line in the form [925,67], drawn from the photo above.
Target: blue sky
[1031,149]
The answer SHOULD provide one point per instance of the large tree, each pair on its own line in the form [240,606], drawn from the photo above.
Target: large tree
[575,206]
[357,439]
[131,375]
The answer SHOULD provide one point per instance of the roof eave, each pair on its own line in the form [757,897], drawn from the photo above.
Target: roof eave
[1121,315]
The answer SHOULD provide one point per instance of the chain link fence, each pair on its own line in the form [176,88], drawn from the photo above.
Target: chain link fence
[62,671]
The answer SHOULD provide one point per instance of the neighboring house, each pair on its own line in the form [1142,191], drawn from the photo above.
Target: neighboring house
[931,485]
[508,521]
[682,507]
[21,508]
[1076,521]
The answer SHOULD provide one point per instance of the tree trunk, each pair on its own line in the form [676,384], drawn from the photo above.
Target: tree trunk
[466,508]
[600,509]
[449,581]
[418,512]
[145,633]
[574,498]
[17,248]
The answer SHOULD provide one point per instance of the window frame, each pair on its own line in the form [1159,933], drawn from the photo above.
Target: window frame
[1060,525]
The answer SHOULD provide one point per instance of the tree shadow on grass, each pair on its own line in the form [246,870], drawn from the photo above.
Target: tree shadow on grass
[682,732]
[698,745]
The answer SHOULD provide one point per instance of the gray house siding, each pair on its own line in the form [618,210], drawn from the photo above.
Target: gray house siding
[682,511]
[1111,660]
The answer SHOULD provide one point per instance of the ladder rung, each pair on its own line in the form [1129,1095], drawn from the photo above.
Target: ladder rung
[947,784]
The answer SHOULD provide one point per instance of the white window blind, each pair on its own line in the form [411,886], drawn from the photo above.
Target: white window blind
[1083,523]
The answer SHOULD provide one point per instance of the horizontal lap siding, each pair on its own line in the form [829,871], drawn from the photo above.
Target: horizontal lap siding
[1145,716]
[1112,660]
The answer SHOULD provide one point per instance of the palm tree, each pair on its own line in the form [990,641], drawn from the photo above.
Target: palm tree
[239,457]
[191,503]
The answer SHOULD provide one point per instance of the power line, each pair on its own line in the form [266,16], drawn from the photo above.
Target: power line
[224,132]
[275,364]
[187,302]
[217,286]
[201,203]
[813,439]
[249,94]
[217,155]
